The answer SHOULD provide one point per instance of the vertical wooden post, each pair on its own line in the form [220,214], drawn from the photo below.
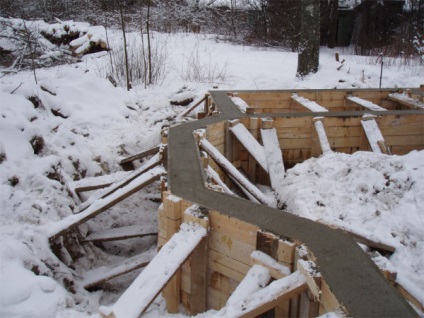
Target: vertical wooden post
[228,148]
[316,150]
[252,165]
[172,212]
[199,260]
[199,278]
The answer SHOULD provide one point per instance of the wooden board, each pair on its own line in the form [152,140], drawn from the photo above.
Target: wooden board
[103,274]
[121,233]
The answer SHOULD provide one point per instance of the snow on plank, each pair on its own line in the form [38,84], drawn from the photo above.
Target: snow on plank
[274,157]
[276,269]
[365,103]
[322,137]
[121,233]
[95,183]
[251,144]
[143,291]
[410,291]
[233,172]
[373,133]
[151,163]
[256,278]
[309,104]
[104,273]
[101,205]
[405,100]
[140,155]
[240,103]
[215,177]
[266,298]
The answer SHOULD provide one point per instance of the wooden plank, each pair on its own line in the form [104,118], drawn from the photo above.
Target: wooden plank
[402,131]
[414,140]
[250,144]
[328,300]
[343,142]
[256,278]
[343,131]
[296,143]
[230,170]
[363,103]
[269,297]
[230,247]
[171,293]
[381,247]
[92,187]
[141,155]
[149,165]
[75,220]
[313,277]
[294,132]
[373,134]
[188,111]
[322,137]
[274,158]
[388,270]
[222,283]
[307,103]
[292,122]
[406,101]
[103,274]
[121,233]
[276,269]
[236,229]
[199,278]
[157,274]
[286,251]
[172,206]
[418,304]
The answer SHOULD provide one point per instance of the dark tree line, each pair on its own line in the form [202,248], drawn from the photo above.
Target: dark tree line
[372,24]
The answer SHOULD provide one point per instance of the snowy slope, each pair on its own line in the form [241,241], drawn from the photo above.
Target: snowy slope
[87,125]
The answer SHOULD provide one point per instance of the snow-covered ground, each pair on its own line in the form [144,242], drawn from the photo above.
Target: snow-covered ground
[84,126]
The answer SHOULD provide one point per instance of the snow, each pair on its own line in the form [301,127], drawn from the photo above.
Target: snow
[105,124]
[309,104]
[377,196]
[366,103]
[240,103]
[154,277]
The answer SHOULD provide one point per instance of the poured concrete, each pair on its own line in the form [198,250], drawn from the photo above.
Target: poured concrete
[352,276]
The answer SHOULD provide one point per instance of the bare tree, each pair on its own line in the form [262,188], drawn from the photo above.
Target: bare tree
[125,47]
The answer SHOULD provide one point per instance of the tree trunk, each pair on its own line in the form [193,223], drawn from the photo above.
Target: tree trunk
[332,29]
[125,47]
[149,49]
[308,57]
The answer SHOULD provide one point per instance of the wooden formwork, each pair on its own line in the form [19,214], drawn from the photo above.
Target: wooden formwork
[215,269]
[333,100]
